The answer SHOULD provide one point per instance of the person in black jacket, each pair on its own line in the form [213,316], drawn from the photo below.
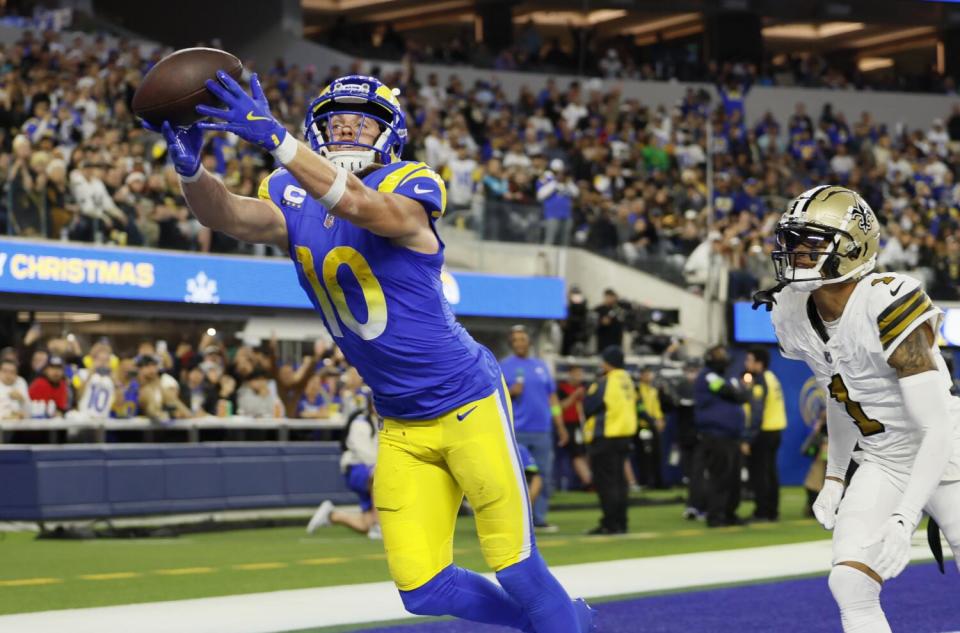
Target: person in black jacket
[721,427]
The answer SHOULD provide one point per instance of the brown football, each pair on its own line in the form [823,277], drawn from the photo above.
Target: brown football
[175,85]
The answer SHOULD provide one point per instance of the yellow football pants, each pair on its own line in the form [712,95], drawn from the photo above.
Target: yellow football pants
[423,470]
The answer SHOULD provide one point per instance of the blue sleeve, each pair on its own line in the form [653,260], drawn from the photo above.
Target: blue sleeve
[426,187]
[280,190]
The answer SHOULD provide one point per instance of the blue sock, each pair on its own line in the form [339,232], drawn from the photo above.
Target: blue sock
[462,593]
[544,600]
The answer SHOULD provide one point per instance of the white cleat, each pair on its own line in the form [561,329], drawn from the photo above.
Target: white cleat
[375,533]
[321,518]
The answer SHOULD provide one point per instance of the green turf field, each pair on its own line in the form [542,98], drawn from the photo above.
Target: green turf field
[39,575]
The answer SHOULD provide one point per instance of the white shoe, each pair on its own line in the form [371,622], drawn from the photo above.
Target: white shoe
[375,533]
[321,518]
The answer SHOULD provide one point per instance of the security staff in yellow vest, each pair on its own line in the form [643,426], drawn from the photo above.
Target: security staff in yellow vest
[768,419]
[610,407]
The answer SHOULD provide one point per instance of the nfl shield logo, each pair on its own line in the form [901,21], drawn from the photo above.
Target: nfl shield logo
[827,356]
[328,221]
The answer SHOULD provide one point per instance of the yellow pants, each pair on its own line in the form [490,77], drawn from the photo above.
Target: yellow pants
[423,470]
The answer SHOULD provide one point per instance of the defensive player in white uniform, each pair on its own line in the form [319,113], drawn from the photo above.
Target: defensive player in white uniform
[870,340]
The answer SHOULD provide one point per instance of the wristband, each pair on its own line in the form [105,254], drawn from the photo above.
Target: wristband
[286,150]
[836,479]
[332,198]
[194,178]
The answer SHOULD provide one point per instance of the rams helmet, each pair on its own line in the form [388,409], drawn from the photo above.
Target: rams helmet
[368,98]
[828,235]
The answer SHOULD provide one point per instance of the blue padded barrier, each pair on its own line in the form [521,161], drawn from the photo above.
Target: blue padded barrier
[63,482]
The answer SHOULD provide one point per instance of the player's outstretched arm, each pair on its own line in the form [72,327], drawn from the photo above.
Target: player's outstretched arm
[343,194]
[247,219]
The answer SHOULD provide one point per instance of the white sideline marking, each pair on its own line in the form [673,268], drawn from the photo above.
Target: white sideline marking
[291,610]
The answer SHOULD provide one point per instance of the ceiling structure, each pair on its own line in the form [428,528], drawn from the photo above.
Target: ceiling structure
[870,30]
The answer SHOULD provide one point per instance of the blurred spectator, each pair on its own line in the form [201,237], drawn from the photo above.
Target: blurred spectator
[556,192]
[651,426]
[721,425]
[611,315]
[198,394]
[575,326]
[570,392]
[49,392]
[313,403]
[610,407]
[535,405]
[254,398]
[768,420]
[97,393]
[14,399]
[153,399]
[26,209]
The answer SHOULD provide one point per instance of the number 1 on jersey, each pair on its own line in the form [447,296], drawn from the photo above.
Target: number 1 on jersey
[867,426]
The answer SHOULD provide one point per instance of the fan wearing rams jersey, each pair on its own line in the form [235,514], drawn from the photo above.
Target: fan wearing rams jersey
[870,340]
[359,225]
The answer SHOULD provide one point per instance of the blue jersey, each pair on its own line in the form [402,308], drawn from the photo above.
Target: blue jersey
[383,303]
[531,409]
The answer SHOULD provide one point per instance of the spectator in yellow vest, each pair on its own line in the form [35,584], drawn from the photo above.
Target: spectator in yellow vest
[768,419]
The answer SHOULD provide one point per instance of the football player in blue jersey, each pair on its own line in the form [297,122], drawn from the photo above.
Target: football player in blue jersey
[359,225]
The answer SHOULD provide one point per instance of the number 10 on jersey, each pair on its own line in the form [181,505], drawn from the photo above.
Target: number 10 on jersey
[373,296]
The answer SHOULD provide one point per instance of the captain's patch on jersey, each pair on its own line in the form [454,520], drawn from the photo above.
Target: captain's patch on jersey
[898,316]
[293,197]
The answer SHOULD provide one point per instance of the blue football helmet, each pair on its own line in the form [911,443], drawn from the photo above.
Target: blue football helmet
[368,98]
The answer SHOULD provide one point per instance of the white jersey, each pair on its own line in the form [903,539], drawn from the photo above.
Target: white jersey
[850,363]
[97,399]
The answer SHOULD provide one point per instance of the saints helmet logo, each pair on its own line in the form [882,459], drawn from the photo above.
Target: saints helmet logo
[862,216]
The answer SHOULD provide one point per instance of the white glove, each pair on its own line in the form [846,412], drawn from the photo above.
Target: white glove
[825,507]
[895,535]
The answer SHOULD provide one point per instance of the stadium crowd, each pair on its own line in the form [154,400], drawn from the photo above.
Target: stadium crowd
[576,163]
[59,377]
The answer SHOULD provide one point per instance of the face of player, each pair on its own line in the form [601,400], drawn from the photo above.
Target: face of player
[353,128]
[806,247]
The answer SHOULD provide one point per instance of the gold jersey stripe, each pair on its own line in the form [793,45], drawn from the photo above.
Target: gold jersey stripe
[896,328]
[391,182]
[898,307]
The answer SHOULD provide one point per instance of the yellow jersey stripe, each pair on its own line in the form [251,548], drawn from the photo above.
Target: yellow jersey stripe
[264,191]
[897,328]
[898,307]
[392,181]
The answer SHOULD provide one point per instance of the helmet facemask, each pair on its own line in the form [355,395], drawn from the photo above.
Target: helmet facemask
[353,155]
[809,256]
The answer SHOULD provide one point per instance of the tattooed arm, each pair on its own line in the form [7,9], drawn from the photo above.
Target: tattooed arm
[915,354]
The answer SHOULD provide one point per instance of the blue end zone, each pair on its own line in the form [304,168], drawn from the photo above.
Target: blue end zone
[919,601]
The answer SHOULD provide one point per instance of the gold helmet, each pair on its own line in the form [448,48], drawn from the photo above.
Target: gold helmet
[828,235]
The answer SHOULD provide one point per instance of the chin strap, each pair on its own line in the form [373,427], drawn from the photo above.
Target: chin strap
[767,298]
